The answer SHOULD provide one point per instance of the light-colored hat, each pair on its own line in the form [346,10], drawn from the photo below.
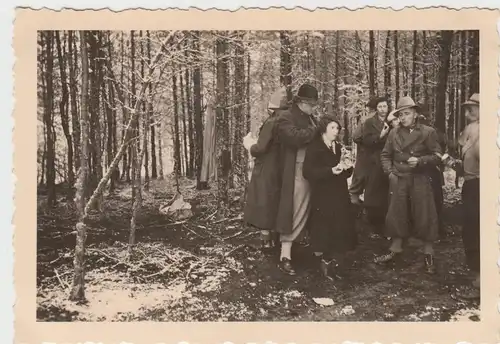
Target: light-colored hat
[406,103]
[473,100]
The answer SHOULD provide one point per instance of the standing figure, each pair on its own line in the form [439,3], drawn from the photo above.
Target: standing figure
[375,131]
[296,128]
[409,152]
[263,192]
[331,223]
[361,172]
[469,141]
[437,177]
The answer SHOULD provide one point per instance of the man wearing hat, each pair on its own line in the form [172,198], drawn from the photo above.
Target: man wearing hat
[409,152]
[296,127]
[469,140]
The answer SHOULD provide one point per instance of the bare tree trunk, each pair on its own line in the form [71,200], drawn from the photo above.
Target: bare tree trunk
[414,66]
[387,64]
[112,131]
[239,119]
[192,134]
[445,42]
[474,63]
[396,62]
[146,121]
[78,288]
[222,122]
[336,94]
[286,63]
[154,172]
[160,151]
[425,87]
[75,121]
[63,106]
[49,120]
[177,143]
[184,126]
[198,120]
[371,59]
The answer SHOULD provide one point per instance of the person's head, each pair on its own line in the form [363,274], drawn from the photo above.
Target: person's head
[329,127]
[393,120]
[278,100]
[407,111]
[380,105]
[471,108]
[307,99]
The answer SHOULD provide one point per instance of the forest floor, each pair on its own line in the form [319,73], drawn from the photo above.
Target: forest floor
[210,268]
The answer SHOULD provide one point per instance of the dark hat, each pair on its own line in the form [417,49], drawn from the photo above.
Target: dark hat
[373,102]
[308,93]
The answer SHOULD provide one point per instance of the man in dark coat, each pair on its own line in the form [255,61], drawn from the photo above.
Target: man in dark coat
[375,131]
[263,191]
[360,173]
[409,152]
[296,128]
[437,177]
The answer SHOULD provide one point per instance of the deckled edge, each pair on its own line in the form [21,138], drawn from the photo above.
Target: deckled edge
[242,8]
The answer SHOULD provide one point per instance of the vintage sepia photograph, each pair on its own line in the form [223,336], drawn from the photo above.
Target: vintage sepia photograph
[321,175]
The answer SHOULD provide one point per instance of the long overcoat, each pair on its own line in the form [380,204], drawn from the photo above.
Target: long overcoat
[331,222]
[377,185]
[295,130]
[263,191]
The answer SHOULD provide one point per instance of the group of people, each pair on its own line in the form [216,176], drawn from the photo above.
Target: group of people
[299,181]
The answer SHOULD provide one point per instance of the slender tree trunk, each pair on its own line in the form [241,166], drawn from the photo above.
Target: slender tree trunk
[414,87]
[145,109]
[184,126]
[75,121]
[286,63]
[112,130]
[425,70]
[133,146]
[371,58]
[160,151]
[239,119]
[78,288]
[189,103]
[474,63]
[198,120]
[126,170]
[154,172]
[63,107]
[177,143]
[49,120]
[336,95]
[396,63]
[222,122]
[445,42]
[387,64]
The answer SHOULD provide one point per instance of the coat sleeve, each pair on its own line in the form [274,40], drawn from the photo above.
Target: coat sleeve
[313,169]
[292,135]
[387,154]
[264,140]
[371,135]
[433,146]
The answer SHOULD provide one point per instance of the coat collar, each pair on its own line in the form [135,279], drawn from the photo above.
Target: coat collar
[411,136]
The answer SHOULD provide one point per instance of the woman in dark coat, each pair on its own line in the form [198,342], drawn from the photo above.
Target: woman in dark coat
[263,191]
[331,222]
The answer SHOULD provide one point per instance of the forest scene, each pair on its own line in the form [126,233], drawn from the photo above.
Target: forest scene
[142,172]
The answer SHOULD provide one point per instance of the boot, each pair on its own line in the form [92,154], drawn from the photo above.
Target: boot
[430,267]
[285,265]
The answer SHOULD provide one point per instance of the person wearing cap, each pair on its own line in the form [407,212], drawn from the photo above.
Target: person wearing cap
[375,131]
[296,128]
[409,152]
[262,194]
[360,173]
[469,163]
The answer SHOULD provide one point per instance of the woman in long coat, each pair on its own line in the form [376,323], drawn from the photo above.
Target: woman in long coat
[331,222]
[263,192]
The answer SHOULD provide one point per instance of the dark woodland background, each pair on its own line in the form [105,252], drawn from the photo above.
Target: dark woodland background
[164,113]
